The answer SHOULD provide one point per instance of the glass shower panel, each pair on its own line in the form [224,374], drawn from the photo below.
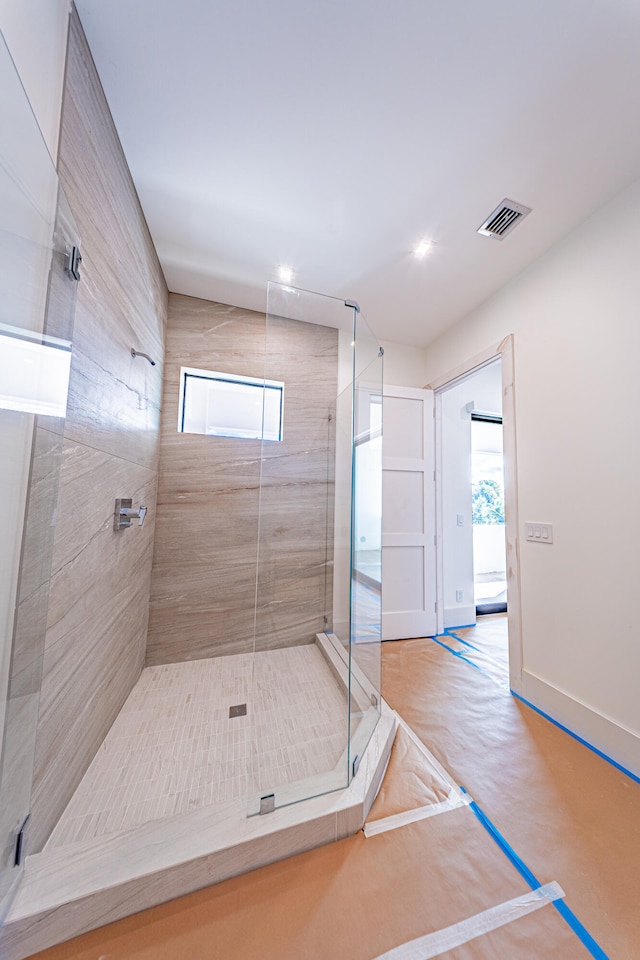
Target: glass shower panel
[37,300]
[300,691]
[366,566]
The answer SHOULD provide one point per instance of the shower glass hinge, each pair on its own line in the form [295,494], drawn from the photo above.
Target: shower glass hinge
[21,842]
[326,619]
[267,803]
[356,765]
[374,700]
[72,261]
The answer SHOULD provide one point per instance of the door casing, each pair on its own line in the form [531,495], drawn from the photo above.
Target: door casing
[505,351]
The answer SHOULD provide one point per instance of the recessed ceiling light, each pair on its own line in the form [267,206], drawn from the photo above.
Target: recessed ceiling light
[422,248]
[285,274]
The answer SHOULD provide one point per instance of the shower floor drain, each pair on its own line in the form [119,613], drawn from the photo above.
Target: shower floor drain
[240,710]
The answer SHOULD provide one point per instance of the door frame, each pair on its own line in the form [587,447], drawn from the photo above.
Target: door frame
[504,350]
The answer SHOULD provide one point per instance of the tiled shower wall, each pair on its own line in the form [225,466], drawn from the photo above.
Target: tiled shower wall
[213,496]
[98,606]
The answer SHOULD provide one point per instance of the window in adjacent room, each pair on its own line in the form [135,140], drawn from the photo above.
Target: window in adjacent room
[225,405]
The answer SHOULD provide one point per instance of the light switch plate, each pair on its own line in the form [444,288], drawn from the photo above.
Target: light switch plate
[538,532]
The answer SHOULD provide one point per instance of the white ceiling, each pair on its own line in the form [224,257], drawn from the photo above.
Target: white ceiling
[331,135]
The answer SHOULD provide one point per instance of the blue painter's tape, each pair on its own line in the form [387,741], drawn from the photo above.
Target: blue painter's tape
[467,643]
[487,657]
[575,736]
[460,656]
[565,912]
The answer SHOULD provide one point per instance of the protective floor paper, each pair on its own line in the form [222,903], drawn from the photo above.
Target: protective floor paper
[415,786]
[569,814]
[435,944]
[351,900]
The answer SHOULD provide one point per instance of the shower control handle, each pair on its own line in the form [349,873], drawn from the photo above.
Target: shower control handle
[135,514]
[125,513]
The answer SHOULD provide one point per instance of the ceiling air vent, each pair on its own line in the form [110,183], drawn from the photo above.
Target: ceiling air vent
[503,219]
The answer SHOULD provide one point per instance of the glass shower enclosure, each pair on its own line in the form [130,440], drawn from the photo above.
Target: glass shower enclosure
[317,618]
[37,304]
[311,624]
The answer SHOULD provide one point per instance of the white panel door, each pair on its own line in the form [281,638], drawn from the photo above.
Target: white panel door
[408,514]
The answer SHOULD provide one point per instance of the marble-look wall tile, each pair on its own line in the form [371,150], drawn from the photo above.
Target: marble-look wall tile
[224,503]
[99,591]
[98,611]
[30,625]
[38,533]
[90,482]
[114,399]
[20,727]
[36,558]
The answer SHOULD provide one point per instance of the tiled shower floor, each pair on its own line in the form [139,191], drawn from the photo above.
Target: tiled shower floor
[173,746]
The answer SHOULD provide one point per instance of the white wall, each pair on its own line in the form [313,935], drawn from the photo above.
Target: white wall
[36,33]
[403,366]
[575,319]
[483,389]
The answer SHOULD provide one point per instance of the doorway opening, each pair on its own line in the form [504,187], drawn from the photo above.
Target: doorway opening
[487,497]
[484,384]
[471,516]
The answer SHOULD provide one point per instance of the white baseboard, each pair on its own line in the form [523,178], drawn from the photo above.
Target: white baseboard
[616,742]
[459,616]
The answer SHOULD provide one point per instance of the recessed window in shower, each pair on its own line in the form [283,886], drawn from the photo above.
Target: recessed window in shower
[226,405]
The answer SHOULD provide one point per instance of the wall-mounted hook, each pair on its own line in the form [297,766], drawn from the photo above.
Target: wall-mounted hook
[138,353]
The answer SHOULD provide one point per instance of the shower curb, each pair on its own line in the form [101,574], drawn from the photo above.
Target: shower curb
[76,888]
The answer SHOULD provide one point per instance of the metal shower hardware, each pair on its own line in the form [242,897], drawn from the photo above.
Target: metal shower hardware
[72,261]
[138,353]
[125,513]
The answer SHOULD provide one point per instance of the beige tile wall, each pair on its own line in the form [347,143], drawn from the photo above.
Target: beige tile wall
[98,606]
[204,568]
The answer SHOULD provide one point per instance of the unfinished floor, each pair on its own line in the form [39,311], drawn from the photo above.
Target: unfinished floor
[569,815]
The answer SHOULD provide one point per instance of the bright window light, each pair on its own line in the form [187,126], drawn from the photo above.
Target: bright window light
[225,405]
[34,372]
